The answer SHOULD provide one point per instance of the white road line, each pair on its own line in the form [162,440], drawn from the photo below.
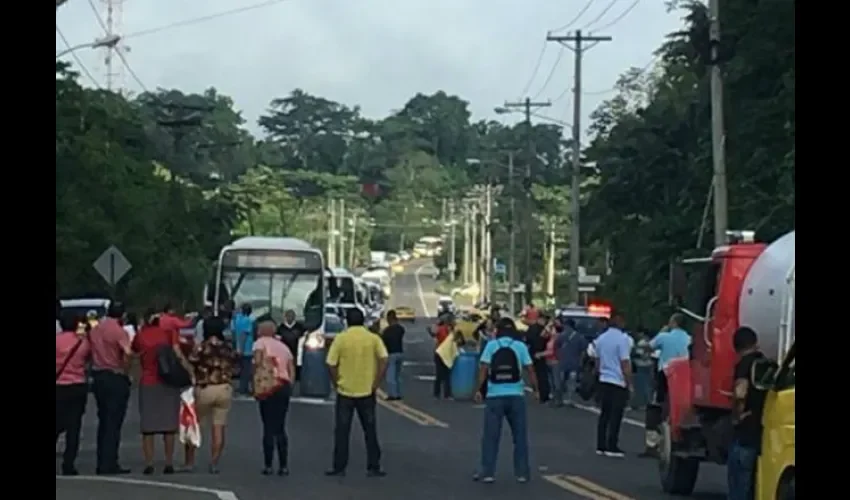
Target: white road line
[594,410]
[419,290]
[417,363]
[220,494]
[426,378]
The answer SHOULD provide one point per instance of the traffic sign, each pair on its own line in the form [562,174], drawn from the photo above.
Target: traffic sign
[499,267]
[112,265]
[589,279]
[587,289]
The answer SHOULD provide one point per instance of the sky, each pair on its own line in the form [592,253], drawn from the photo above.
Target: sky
[373,53]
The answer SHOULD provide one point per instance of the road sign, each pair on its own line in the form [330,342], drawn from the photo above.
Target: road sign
[499,267]
[590,279]
[587,289]
[112,265]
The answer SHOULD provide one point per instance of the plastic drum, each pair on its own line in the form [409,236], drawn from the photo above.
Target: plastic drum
[315,380]
[464,375]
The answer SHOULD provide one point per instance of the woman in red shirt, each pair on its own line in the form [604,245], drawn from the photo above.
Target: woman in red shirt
[159,404]
[72,354]
[440,332]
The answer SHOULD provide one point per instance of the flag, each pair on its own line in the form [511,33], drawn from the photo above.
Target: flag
[190,428]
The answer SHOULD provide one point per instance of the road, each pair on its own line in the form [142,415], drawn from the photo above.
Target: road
[430,447]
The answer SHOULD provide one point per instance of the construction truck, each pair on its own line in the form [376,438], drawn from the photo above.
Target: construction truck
[742,283]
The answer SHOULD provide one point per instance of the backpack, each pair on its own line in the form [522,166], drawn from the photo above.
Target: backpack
[170,369]
[504,365]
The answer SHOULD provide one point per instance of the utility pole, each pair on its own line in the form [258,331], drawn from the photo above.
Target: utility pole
[578,39]
[528,221]
[443,212]
[331,232]
[342,236]
[488,240]
[352,239]
[482,261]
[718,134]
[466,246]
[452,257]
[512,237]
[473,249]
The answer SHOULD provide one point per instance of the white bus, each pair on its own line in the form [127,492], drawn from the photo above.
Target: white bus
[428,246]
[273,275]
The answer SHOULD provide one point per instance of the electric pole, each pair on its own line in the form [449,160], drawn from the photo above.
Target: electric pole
[342,237]
[578,39]
[473,246]
[488,240]
[718,135]
[452,257]
[512,237]
[351,253]
[466,245]
[528,220]
[331,232]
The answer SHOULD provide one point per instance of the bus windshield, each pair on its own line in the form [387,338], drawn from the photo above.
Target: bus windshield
[275,291]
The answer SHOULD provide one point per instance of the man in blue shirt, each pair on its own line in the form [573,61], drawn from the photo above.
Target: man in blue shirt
[671,343]
[614,368]
[502,362]
[243,337]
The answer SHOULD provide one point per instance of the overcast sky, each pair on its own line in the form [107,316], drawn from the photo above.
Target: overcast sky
[372,53]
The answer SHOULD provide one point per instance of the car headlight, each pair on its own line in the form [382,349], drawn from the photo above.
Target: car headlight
[315,340]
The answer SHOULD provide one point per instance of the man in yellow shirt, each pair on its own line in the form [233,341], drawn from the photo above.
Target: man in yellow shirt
[357,361]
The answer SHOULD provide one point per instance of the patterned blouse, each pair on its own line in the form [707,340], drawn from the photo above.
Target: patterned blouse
[214,362]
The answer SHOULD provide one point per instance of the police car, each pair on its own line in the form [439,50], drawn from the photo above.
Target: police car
[586,318]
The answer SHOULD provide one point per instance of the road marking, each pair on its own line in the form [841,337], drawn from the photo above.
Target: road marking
[419,290]
[413,341]
[418,363]
[562,483]
[294,399]
[596,488]
[426,378]
[596,411]
[220,494]
[409,412]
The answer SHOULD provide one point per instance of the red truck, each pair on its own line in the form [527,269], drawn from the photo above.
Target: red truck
[743,283]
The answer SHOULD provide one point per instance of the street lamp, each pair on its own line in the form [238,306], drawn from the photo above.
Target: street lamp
[108,41]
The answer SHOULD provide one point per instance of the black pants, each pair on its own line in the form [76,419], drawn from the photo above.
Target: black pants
[613,400]
[660,387]
[70,407]
[111,393]
[541,370]
[365,408]
[442,379]
[273,411]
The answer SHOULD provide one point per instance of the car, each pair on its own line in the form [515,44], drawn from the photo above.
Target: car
[445,305]
[404,313]
[81,307]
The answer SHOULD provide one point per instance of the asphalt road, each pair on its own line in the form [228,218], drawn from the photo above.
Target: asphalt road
[430,447]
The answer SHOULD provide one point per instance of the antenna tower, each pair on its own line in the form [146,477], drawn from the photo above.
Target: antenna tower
[114,69]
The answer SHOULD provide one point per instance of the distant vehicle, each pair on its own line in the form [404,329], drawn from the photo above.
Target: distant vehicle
[405,255]
[445,305]
[404,313]
[428,246]
[586,319]
[380,277]
[81,307]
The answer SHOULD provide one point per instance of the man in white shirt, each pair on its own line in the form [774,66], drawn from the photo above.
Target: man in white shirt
[613,350]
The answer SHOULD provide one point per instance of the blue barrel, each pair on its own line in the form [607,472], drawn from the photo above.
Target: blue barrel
[315,379]
[465,375]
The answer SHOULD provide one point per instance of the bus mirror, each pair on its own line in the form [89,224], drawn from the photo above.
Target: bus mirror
[678,283]
[333,289]
[763,374]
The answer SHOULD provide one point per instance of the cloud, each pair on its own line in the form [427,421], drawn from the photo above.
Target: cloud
[372,53]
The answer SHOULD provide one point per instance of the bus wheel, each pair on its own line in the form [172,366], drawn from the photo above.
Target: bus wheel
[787,489]
[678,474]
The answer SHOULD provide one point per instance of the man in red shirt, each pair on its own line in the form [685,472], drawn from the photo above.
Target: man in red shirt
[442,380]
[110,348]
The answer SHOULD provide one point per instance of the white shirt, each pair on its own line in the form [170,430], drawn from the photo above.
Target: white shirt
[131,331]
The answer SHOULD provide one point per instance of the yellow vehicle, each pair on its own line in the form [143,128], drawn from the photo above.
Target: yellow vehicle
[466,323]
[404,313]
[775,477]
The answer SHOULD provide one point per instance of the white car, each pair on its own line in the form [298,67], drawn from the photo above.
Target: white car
[445,304]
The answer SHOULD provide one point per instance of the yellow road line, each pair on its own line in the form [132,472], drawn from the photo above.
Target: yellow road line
[586,483]
[409,412]
[560,482]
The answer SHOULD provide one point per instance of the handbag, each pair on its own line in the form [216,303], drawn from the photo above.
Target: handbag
[68,357]
[171,370]
[266,380]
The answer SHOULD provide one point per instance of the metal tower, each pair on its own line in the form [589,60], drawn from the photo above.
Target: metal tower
[114,69]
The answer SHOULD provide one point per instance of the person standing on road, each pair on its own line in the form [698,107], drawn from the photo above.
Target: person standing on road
[442,379]
[159,403]
[243,338]
[274,407]
[206,314]
[110,347]
[214,361]
[643,364]
[72,355]
[747,413]
[357,360]
[614,372]
[570,346]
[536,341]
[502,363]
[393,336]
[290,332]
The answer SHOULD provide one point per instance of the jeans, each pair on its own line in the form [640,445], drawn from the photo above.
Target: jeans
[556,380]
[70,406]
[741,471]
[643,386]
[111,393]
[613,404]
[273,411]
[393,377]
[345,409]
[512,409]
[443,378]
[246,375]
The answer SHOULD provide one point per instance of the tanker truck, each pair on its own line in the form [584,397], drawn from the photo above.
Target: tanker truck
[742,283]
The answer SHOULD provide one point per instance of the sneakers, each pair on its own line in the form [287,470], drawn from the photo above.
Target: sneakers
[615,453]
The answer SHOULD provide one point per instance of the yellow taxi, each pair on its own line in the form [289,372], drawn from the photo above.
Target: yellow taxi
[397,268]
[404,313]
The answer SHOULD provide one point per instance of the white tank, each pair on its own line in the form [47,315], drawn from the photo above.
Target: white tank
[767,298]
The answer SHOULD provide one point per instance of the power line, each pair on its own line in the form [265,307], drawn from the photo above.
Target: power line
[82,66]
[118,52]
[601,14]
[97,16]
[577,16]
[202,19]
[551,74]
[536,68]
[620,17]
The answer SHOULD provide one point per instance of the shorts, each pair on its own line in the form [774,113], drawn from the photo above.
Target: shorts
[214,401]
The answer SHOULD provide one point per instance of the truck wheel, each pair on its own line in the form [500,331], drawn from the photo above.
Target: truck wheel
[787,489]
[678,475]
